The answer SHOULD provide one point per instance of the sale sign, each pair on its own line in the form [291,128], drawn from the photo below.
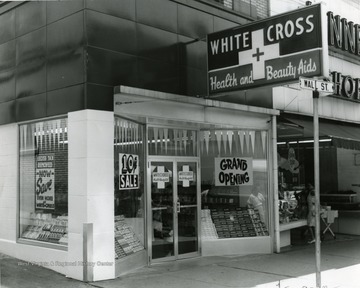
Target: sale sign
[129,171]
[45,181]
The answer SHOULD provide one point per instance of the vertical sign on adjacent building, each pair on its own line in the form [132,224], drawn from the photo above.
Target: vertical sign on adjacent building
[45,181]
[129,171]
[276,50]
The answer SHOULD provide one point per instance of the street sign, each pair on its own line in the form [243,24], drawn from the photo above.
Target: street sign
[319,85]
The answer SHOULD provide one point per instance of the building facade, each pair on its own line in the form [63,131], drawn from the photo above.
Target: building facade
[338,131]
[97,181]
[114,156]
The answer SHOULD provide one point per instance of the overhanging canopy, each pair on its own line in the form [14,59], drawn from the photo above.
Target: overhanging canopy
[343,135]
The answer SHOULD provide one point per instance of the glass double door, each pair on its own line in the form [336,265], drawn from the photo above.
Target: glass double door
[175,197]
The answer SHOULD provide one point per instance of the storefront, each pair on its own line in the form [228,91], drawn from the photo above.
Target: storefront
[201,186]
[80,191]
[339,133]
[339,144]
[95,183]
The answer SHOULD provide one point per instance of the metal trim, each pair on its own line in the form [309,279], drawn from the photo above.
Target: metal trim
[41,244]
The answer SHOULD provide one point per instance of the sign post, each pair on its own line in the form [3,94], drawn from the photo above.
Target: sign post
[317,187]
[317,86]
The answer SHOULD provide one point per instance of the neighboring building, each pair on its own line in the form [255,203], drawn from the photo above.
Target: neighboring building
[63,141]
[339,122]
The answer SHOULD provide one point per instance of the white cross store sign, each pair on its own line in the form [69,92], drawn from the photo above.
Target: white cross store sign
[273,51]
[128,171]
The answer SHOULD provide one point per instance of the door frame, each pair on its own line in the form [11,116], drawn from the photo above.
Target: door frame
[174,160]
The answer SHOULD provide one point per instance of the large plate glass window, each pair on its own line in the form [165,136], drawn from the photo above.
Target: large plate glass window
[43,165]
[234,183]
[128,187]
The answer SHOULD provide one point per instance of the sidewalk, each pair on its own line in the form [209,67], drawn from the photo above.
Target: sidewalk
[294,268]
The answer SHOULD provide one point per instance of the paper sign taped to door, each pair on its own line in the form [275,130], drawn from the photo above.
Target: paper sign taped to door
[160,177]
[186,176]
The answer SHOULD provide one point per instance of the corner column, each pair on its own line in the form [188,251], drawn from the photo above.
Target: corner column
[91,252]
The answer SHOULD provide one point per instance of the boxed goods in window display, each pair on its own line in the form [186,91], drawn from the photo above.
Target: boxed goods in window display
[45,228]
[44,182]
[234,184]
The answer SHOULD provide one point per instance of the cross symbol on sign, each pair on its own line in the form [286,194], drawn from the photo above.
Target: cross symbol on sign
[161,177]
[186,176]
[257,56]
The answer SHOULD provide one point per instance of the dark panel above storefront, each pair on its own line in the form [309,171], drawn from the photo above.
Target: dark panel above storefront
[48,48]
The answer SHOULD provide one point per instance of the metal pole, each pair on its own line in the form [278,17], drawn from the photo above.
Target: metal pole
[317,187]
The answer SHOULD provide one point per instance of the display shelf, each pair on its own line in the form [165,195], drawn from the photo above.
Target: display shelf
[46,229]
[341,201]
[126,242]
[234,223]
[347,198]
[208,230]
[293,224]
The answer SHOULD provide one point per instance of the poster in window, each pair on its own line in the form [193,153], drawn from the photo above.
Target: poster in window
[129,171]
[233,171]
[45,181]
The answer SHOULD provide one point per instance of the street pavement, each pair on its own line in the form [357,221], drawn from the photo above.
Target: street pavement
[292,268]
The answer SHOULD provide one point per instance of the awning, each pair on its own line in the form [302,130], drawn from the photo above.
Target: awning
[343,135]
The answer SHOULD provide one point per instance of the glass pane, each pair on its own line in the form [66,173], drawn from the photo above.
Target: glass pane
[234,183]
[162,209]
[187,207]
[172,142]
[128,188]
[44,181]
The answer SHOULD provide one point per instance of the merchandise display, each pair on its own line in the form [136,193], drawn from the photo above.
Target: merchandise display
[43,227]
[292,206]
[126,242]
[208,230]
[233,223]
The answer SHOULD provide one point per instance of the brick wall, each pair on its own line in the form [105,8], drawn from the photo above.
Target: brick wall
[256,8]
[262,7]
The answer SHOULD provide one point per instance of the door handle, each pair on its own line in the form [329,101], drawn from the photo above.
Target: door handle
[178,206]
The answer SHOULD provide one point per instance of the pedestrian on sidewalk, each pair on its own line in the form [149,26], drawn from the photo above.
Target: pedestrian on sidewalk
[311,213]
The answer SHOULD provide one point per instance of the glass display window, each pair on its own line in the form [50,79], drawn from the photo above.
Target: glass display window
[234,183]
[128,188]
[43,158]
